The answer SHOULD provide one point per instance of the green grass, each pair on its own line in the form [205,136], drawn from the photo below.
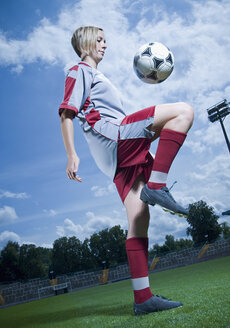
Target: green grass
[204,288]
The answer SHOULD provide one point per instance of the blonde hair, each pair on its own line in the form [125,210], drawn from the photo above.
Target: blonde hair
[84,40]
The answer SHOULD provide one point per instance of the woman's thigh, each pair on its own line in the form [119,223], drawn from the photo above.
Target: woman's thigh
[178,116]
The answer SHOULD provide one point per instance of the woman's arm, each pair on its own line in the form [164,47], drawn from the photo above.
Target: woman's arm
[68,138]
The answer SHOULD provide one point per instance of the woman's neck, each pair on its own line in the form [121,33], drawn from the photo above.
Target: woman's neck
[90,61]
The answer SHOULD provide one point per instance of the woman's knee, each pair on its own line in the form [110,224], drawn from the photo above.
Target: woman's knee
[138,220]
[141,218]
[138,226]
[187,111]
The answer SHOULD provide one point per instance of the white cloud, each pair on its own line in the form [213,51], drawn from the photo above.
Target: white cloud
[210,182]
[94,223]
[45,245]
[69,229]
[6,236]
[9,235]
[7,214]
[50,212]
[17,69]
[162,224]
[102,191]
[9,194]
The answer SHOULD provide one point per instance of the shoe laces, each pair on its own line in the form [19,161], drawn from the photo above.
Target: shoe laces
[168,193]
[162,297]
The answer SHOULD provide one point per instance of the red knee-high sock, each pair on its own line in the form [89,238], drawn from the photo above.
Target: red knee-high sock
[169,145]
[137,252]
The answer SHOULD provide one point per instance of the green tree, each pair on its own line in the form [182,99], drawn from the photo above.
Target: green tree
[117,245]
[99,246]
[87,260]
[30,262]
[184,243]
[59,255]
[46,258]
[74,254]
[9,262]
[108,246]
[170,242]
[203,223]
[170,245]
[67,255]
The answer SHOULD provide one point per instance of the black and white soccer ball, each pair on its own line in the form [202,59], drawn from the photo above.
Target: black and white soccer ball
[153,62]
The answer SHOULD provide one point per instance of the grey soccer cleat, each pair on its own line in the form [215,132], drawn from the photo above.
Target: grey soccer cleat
[163,198]
[154,304]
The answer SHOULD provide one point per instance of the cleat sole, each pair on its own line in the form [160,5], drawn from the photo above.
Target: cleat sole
[174,213]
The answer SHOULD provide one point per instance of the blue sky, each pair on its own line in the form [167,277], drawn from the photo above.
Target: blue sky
[37,202]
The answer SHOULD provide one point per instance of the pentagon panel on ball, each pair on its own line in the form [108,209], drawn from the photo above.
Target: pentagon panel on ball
[153,62]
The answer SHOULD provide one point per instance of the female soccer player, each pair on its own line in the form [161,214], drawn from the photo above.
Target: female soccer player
[119,144]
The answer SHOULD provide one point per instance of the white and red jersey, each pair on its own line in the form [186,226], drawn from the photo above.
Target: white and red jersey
[98,106]
[91,95]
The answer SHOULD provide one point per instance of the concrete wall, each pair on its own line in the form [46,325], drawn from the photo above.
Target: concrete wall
[19,292]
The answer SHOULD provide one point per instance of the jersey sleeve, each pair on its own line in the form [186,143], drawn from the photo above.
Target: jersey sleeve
[77,89]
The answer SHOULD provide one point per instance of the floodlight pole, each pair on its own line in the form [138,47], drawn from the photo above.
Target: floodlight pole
[218,112]
[224,131]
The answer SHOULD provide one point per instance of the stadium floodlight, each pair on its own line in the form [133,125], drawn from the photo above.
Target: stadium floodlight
[226,212]
[219,112]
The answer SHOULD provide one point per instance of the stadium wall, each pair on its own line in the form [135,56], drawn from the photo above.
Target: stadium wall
[19,292]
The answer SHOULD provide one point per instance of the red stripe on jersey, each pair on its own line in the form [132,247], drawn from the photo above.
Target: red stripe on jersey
[139,116]
[93,117]
[74,68]
[69,85]
[86,104]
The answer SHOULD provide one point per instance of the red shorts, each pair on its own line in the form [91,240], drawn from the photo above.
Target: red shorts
[133,157]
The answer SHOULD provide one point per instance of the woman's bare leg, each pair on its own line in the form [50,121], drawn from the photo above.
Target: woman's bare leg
[137,211]
[137,253]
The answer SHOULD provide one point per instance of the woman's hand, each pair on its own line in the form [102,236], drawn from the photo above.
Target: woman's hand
[72,168]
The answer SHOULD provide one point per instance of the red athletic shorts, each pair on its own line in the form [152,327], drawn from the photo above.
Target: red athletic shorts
[133,157]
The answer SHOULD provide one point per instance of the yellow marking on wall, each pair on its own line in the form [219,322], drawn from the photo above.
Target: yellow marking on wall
[203,250]
[53,282]
[104,277]
[154,263]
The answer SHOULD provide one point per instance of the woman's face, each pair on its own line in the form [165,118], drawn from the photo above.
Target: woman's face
[100,47]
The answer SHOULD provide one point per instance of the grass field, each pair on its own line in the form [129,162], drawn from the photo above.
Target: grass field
[204,289]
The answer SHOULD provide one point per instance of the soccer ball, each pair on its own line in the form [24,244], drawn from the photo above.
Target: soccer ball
[153,62]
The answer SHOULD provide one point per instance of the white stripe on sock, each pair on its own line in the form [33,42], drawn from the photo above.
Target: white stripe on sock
[140,283]
[158,177]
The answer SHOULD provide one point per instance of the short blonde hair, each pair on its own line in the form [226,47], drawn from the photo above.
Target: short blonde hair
[84,40]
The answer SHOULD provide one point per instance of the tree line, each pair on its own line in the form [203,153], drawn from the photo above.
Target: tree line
[102,250]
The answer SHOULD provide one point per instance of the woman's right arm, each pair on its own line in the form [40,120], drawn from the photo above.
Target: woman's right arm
[67,129]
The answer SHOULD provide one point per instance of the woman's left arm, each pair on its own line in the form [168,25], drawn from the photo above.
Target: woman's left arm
[68,138]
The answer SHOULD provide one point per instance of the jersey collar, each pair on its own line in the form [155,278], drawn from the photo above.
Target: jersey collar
[84,63]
